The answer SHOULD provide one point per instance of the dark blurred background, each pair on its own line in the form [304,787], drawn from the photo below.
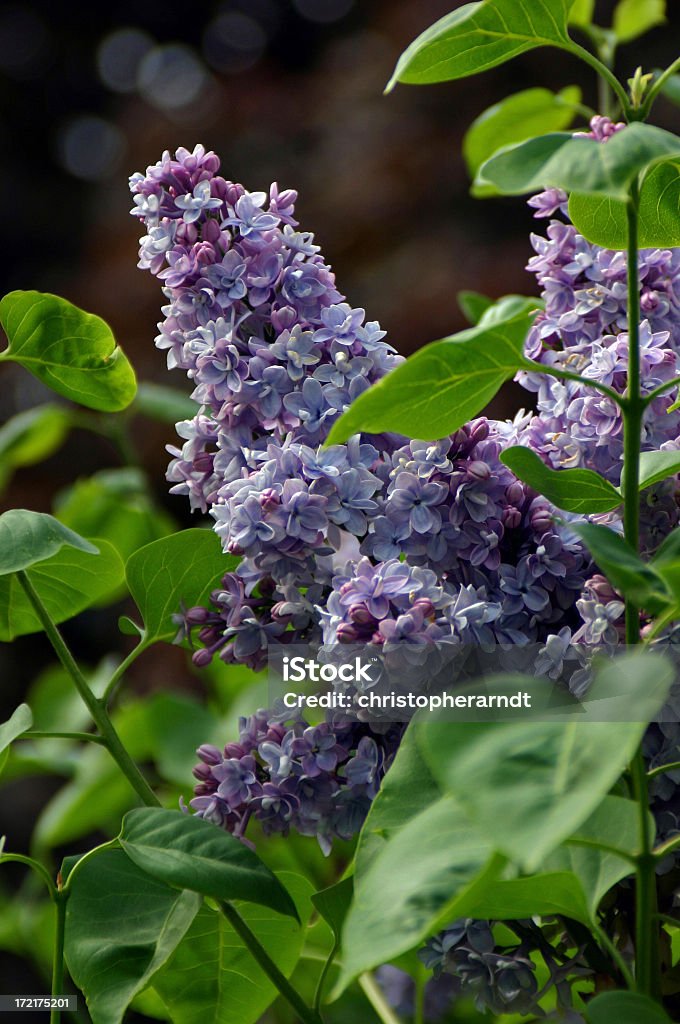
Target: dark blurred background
[286,90]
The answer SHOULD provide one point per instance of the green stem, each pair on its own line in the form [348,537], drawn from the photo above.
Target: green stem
[633,408]
[672,766]
[38,734]
[662,388]
[664,849]
[40,869]
[95,706]
[615,954]
[58,962]
[328,963]
[375,996]
[553,371]
[656,88]
[614,850]
[257,950]
[603,71]
[113,682]
[646,951]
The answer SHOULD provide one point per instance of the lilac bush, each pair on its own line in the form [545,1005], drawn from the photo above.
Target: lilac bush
[382,540]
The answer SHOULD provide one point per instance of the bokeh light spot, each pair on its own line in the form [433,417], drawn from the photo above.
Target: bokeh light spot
[234,42]
[119,56]
[323,11]
[91,148]
[172,76]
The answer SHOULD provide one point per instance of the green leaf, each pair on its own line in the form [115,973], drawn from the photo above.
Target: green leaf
[478,36]
[441,386]
[176,725]
[98,795]
[573,878]
[572,490]
[625,1008]
[29,537]
[516,118]
[657,466]
[407,789]
[581,165]
[530,784]
[114,504]
[73,352]
[334,902]
[121,927]
[186,851]
[32,436]
[671,89]
[623,566]
[167,405]
[213,979]
[20,722]
[604,221]
[413,885]
[632,18]
[67,583]
[581,13]
[473,304]
[178,570]
[668,551]
[614,824]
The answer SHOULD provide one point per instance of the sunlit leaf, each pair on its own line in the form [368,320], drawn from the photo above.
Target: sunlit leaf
[73,352]
[478,36]
[441,386]
[514,119]
[572,490]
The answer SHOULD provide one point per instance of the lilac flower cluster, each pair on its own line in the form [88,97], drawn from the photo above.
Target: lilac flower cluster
[584,328]
[394,544]
[318,779]
[385,541]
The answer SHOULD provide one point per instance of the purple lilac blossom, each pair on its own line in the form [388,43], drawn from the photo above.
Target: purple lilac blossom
[383,540]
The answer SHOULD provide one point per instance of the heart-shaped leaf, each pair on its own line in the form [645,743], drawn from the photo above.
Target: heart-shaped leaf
[178,570]
[441,386]
[67,583]
[572,490]
[478,36]
[604,221]
[581,165]
[29,537]
[188,852]
[121,927]
[516,118]
[213,979]
[73,352]
[552,775]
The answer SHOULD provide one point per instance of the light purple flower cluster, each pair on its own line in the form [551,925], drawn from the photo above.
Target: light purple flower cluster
[318,779]
[584,329]
[383,541]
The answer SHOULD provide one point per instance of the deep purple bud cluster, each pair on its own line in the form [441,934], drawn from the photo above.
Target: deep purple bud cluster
[317,779]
